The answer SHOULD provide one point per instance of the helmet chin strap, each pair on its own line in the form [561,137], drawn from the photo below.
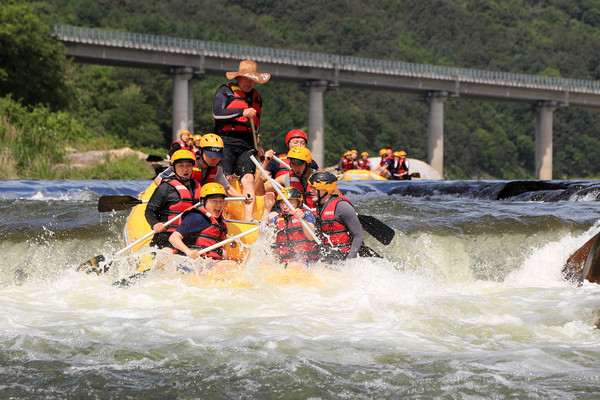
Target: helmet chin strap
[181,178]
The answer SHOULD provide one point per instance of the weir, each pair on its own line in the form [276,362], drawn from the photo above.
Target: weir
[187,59]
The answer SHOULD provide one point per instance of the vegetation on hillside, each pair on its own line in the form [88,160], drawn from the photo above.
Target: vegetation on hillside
[117,106]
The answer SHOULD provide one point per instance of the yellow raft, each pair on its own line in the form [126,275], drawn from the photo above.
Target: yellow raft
[360,175]
[246,275]
[137,226]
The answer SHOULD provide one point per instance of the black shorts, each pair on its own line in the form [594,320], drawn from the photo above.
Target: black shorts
[237,157]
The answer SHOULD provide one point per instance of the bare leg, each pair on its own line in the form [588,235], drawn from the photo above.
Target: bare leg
[248,188]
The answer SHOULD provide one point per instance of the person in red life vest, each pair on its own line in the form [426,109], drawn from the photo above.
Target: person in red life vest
[184,142]
[387,160]
[337,221]
[295,247]
[347,163]
[364,162]
[300,159]
[234,105]
[399,169]
[204,227]
[196,143]
[294,138]
[173,196]
[207,168]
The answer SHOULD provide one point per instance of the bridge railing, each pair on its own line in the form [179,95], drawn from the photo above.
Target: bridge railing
[318,60]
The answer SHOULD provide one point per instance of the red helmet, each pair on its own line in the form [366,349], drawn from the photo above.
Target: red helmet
[295,133]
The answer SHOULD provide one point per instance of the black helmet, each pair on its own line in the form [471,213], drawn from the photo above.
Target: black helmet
[323,180]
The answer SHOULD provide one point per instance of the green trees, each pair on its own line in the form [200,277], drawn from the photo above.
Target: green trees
[32,65]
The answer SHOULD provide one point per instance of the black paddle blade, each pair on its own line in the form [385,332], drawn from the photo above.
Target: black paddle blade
[93,265]
[366,251]
[117,203]
[380,231]
[125,282]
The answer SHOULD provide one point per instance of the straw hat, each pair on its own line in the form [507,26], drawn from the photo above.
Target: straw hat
[248,70]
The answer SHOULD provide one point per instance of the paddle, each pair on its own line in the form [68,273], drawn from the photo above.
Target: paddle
[138,275]
[380,231]
[280,161]
[589,259]
[117,203]
[253,134]
[285,200]
[92,265]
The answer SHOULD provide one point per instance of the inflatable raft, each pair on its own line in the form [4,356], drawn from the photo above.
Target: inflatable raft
[360,175]
[137,226]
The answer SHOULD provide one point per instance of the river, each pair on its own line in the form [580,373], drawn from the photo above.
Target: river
[468,301]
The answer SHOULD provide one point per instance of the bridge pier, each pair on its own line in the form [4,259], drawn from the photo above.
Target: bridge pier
[316,120]
[543,139]
[183,102]
[435,130]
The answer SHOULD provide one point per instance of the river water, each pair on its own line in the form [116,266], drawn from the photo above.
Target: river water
[468,302]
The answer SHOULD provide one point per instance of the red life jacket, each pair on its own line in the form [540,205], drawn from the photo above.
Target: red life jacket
[182,145]
[211,175]
[283,170]
[293,245]
[387,157]
[241,100]
[213,234]
[333,233]
[396,170]
[292,180]
[185,201]
[347,165]
[364,164]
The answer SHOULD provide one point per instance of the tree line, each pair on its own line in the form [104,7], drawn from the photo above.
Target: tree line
[111,106]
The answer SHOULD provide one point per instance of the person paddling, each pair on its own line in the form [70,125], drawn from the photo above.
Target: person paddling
[204,227]
[172,196]
[337,222]
[300,159]
[207,168]
[295,247]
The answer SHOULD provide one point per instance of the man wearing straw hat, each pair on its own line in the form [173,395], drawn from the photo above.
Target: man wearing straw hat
[235,107]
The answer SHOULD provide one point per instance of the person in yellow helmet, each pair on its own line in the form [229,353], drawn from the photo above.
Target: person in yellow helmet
[172,196]
[184,142]
[207,168]
[347,162]
[203,227]
[300,160]
[399,168]
[196,143]
[295,246]
[387,159]
[364,162]
[337,221]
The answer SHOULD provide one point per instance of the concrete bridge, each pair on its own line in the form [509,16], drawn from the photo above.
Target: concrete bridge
[187,59]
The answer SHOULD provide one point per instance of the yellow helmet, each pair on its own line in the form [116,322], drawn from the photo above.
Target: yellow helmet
[364,153]
[323,180]
[181,156]
[183,132]
[212,145]
[353,151]
[197,137]
[212,189]
[400,153]
[300,153]
[290,193]
[382,152]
